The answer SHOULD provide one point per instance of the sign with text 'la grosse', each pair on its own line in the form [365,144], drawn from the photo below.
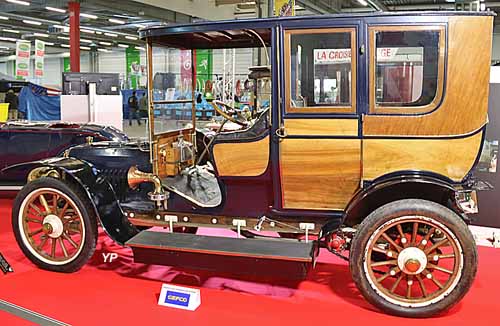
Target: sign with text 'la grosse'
[331,56]
[23,54]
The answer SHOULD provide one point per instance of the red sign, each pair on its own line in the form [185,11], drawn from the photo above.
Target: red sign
[331,56]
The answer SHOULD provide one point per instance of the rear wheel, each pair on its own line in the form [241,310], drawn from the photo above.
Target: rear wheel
[413,258]
[54,225]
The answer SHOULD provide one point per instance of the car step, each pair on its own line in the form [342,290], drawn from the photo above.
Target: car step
[246,256]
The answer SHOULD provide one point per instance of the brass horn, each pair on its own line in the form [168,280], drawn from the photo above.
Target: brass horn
[136,177]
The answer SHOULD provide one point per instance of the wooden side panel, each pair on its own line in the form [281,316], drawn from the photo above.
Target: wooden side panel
[320,173]
[452,158]
[322,127]
[465,103]
[242,159]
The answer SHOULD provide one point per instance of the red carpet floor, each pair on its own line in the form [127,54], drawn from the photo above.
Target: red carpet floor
[124,293]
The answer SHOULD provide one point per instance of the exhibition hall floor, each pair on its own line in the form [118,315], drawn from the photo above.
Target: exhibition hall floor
[124,293]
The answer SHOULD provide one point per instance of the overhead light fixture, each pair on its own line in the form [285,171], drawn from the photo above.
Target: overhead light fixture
[88,16]
[18,2]
[140,25]
[103,50]
[450,0]
[125,46]
[62,11]
[41,34]
[32,22]
[85,48]
[105,43]
[116,21]
[8,39]
[4,18]
[140,48]
[4,47]
[111,34]
[66,54]
[64,28]
[10,31]
[64,45]
[82,40]
[363,2]
[63,38]
[98,32]
[49,43]
[88,31]
[133,38]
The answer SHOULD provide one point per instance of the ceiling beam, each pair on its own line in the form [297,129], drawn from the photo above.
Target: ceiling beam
[320,7]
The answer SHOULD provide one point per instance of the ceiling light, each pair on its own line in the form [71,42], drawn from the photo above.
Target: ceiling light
[133,38]
[363,2]
[64,45]
[49,43]
[18,2]
[82,40]
[116,21]
[66,54]
[105,43]
[450,0]
[63,38]
[88,31]
[140,25]
[125,46]
[85,48]
[111,34]
[11,31]
[4,18]
[41,34]
[8,39]
[98,32]
[139,48]
[64,28]
[103,50]
[88,16]
[4,47]
[56,9]
[32,22]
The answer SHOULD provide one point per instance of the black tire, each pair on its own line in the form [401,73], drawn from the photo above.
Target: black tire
[396,212]
[86,216]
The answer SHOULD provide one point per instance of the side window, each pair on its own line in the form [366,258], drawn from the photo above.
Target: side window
[407,68]
[321,71]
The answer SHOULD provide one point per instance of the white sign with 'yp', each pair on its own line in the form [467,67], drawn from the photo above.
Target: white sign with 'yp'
[179,297]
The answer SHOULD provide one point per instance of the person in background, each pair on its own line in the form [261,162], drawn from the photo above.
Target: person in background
[143,103]
[134,108]
[13,101]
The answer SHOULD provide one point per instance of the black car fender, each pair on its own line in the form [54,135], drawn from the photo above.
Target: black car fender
[98,190]
[396,186]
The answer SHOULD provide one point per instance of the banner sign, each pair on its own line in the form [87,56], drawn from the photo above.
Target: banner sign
[186,72]
[23,54]
[179,297]
[403,54]
[39,58]
[331,56]
[284,8]
[204,64]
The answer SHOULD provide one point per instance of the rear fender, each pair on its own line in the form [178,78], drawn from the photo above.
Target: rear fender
[98,190]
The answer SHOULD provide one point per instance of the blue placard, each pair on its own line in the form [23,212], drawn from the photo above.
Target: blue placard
[177,298]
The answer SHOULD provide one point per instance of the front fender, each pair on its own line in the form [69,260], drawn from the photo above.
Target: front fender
[97,189]
[404,185]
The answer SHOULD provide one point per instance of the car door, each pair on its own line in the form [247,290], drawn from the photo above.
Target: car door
[320,145]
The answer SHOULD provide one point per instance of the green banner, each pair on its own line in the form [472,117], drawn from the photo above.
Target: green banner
[67,65]
[133,61]
[204,68]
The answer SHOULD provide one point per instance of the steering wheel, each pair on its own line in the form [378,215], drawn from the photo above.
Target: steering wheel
[228,112]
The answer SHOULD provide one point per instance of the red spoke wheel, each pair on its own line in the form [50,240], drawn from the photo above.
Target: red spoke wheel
[413,258]
[54,225]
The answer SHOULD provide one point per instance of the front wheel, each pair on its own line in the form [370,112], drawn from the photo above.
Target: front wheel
[54,225]
[413,258]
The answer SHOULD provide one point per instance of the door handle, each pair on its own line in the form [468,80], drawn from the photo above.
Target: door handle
[281,132]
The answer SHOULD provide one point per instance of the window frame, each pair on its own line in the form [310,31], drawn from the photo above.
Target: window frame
[406,110]
[288,72]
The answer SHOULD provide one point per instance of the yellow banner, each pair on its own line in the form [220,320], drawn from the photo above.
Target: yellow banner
[284,8]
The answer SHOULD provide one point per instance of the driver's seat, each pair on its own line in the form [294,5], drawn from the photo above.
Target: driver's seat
[257,130]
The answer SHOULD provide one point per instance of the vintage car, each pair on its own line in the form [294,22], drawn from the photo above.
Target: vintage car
[374,125]
[27,141]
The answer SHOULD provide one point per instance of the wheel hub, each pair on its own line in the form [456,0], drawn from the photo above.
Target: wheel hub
[412,260]
[53,226]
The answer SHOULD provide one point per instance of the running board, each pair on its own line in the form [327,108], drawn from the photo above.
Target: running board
[246,256]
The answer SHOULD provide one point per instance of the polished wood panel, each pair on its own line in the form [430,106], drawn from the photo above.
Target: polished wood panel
[322,127]
[465,100]
[452,158]
[439,90]
[166,159]
[320,174]
[288,83]
[242,159]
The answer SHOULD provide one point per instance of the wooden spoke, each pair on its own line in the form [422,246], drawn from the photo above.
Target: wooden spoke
[384,263]
[71,241]
[394,244]
[31,234]
[445,256]
[63,210]
[422,285]
[55,198]
[395,285]
[44,241]
[441,286]
[401,234]
[61,243]
[435,246]
[426,238]
[67,220]
[44,203]
[34,220]
[439,268]
[414,233]
[73,230]
[378,249]
[53,249]
[35,208]
[408,289]
[383,277]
